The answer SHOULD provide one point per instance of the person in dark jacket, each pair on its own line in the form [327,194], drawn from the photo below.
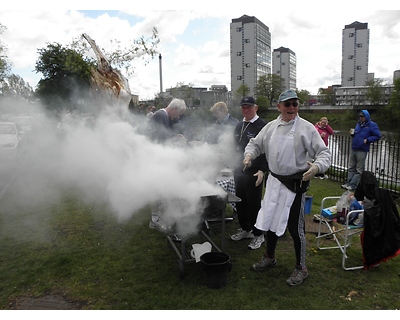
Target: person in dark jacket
[365,133]
[380,238]
[248,183]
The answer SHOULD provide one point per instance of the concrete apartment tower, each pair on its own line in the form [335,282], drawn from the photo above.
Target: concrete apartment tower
[355,51]
[284,65]
[250,52]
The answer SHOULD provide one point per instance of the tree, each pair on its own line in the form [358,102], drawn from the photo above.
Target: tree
[14,86]
[183,91]
[326,96]
[270,86]
[304,96]
[374,91]
[241,92]
[66,76]
[5,65]
[70,75]
[393,108]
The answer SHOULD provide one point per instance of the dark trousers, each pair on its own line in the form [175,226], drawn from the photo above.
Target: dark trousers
[296,227]
[247,209]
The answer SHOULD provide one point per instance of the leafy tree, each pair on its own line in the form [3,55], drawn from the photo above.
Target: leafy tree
[241,92]
[183,91]
[393,108]
[374,91]
[304,95]
[66,76]
[326,96]
[15,86]
[270,86]
[5,65]
[262,103]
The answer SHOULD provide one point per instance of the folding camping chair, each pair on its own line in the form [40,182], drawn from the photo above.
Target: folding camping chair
[341,234]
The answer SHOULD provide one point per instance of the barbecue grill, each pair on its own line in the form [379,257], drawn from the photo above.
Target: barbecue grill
[213,209]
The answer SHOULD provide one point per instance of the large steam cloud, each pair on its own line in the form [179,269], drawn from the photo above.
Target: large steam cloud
[113,161]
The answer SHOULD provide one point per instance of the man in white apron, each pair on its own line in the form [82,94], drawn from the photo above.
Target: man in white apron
[295,153]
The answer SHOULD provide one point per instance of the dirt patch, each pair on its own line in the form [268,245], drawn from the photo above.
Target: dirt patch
[312,225]
[48,302]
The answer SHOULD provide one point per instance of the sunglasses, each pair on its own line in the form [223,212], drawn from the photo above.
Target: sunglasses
[287,104]
[361,116]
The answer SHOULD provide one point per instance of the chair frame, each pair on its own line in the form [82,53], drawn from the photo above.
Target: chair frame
[343,236]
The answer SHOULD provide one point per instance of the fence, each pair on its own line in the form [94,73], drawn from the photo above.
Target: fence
[383,160]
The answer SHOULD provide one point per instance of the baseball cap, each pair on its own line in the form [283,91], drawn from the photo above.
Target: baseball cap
[361,114]
[287,95]
[248,100]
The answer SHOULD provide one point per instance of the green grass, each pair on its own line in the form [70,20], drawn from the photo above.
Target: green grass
[81,251]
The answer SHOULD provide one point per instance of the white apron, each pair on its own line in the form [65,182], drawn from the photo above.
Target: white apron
[278,199]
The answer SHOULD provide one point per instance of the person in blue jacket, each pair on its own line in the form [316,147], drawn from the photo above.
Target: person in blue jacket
[365,133]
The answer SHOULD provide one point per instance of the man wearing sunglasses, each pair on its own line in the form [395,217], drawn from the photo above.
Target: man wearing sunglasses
[365,133]
[295,153]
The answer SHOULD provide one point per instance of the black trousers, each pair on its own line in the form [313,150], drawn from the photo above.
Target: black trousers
[296,227]
[247,209]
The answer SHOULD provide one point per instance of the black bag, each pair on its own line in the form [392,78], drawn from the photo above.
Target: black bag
[293,182]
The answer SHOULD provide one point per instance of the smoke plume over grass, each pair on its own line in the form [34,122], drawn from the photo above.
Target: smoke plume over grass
[112,161]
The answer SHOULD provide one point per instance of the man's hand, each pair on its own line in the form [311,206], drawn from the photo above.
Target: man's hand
[310,173]
[246,162]
[260,177]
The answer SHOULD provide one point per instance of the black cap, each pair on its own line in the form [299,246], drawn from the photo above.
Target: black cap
[361,114]
[248,101]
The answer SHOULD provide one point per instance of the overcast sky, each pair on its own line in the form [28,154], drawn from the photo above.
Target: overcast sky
[195,43]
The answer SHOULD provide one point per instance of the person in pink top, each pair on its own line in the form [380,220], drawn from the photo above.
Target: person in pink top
[325,131]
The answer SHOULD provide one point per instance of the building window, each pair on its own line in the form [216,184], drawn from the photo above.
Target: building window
[247,40]
[351,57]
[239,53]
[239,29]
[351,35]
[247,65]
[359,45]
[358,67]
[350,79]
[283,63]
[278,55]
[239,78]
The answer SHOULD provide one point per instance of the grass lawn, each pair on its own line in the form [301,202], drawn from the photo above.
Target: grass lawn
[80,251]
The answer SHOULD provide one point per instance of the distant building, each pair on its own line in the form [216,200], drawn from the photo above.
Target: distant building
[284,65]
[355,51]
[250,52]
[396,75]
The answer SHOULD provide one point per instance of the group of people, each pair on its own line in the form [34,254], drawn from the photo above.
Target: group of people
[279,157]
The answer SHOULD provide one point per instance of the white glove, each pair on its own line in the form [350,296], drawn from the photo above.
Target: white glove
[310,173]
[246,162]
[260,176]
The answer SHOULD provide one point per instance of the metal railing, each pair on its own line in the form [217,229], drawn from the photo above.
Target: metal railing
[383,160]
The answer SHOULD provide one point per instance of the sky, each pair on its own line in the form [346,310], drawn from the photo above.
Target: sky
[195,40]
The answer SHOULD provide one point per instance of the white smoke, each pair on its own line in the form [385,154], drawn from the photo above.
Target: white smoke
[114,162]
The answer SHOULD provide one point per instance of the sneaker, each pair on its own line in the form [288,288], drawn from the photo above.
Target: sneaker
[350,188]
[326,176]
[242,234]
[256,242]
[264,264]
[322,178]
[344,186]
[160,226]
[297,276]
